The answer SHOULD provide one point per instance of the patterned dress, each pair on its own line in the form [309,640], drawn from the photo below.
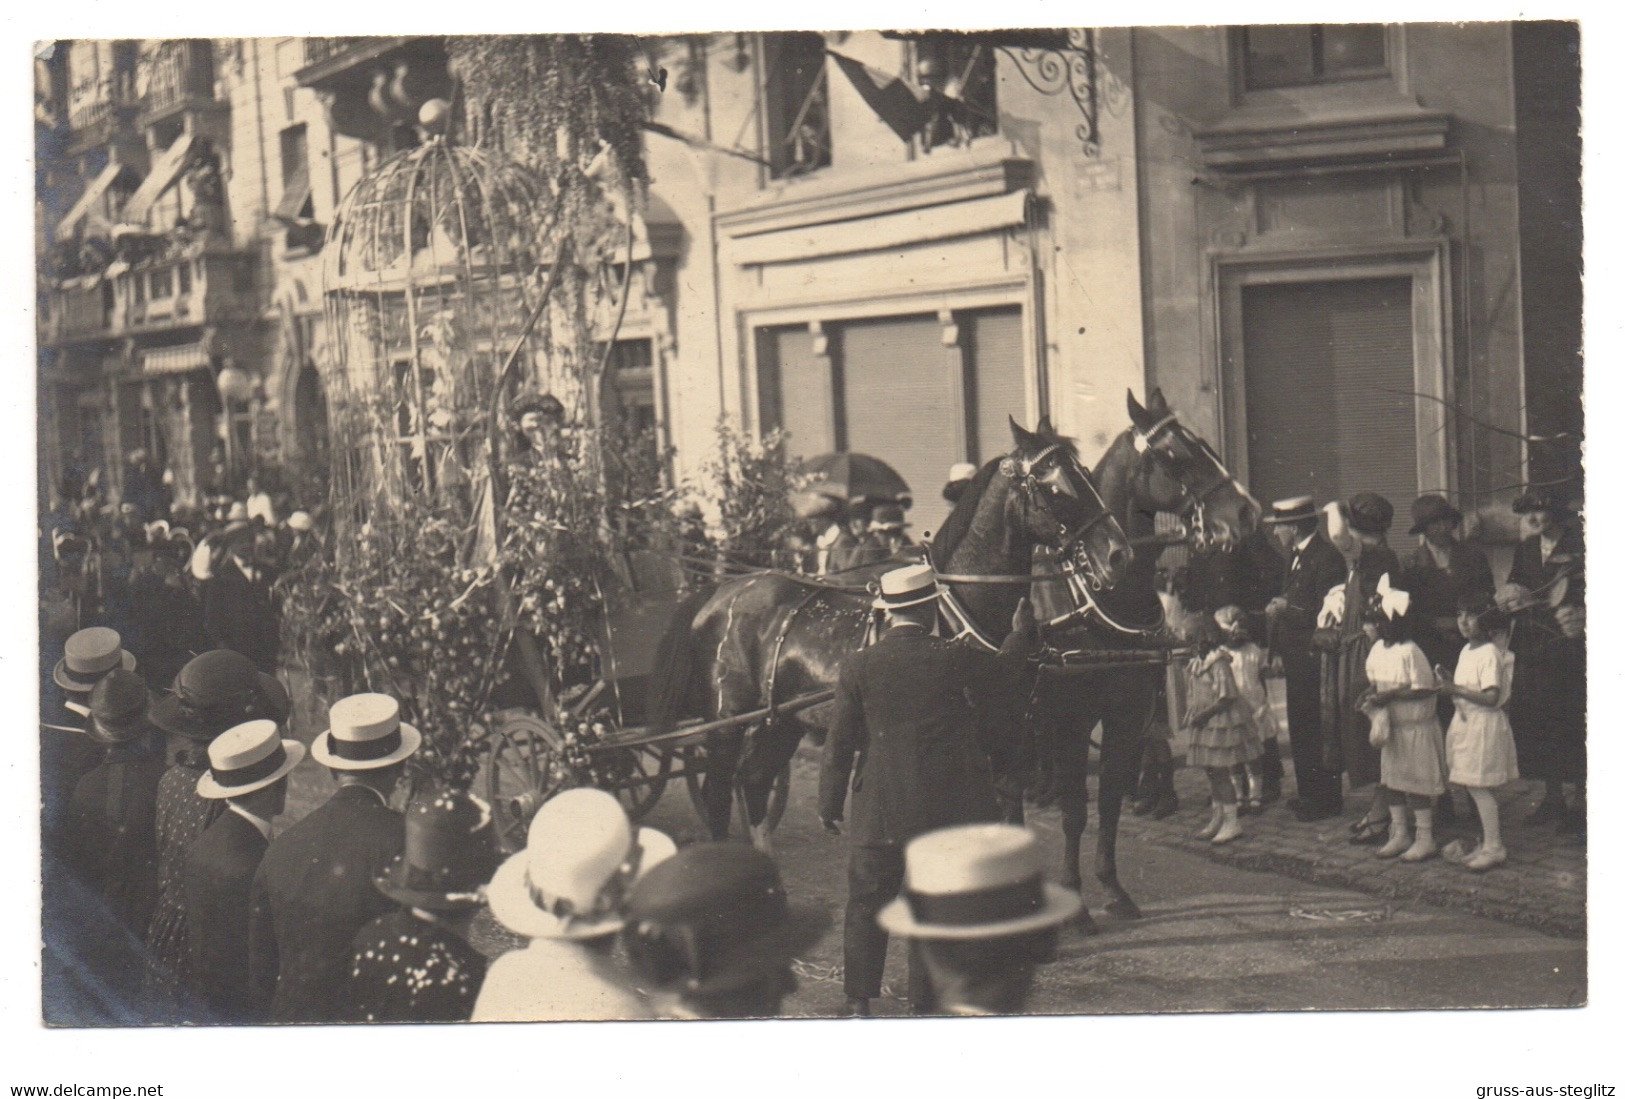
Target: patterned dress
[1413,757]
[183,816]
[1229,737]
[408,969]
[1479,745]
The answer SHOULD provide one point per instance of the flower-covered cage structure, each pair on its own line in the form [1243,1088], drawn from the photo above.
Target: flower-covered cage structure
[432,266]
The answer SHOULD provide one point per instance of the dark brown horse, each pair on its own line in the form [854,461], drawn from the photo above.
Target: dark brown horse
[762,640]
[1156,465]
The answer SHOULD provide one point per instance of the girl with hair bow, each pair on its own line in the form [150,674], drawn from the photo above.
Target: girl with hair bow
[1404,724]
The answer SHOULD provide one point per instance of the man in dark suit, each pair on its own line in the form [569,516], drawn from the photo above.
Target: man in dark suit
[237,609]
[903,718]
[314,888]
[1314,567]
[248,770]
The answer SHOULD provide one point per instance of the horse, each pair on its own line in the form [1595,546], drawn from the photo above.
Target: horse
[1155,465]
[760,640]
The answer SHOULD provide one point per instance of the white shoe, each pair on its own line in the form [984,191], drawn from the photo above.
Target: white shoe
[1399,841]
[1420,850]
[1486,857]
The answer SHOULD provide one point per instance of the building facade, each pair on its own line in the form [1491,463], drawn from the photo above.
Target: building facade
[1348,254]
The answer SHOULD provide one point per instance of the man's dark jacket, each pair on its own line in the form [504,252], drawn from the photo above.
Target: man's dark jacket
[1311,573]
[905,737]
[312,893]
[219,886]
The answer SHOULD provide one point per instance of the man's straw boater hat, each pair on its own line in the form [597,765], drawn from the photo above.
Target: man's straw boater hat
[1293,509]
[581,858]
[87,656]
[248,757]
[976,881]
[366,732]
[906,587]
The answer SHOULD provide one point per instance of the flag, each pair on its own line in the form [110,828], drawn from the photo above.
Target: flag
[891,97]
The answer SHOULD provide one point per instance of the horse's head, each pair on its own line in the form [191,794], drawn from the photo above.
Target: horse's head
[1181,474]
[1063,508]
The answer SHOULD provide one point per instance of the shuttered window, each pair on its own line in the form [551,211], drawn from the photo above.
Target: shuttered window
[1329,373]
[997,382]
[795,389]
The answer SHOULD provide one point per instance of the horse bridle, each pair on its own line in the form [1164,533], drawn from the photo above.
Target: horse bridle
[1023,472]
[1192,512]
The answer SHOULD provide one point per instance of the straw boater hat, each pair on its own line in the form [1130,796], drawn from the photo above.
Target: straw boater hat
[906,587]
[215,691]
[449,855]
[118,708]
[976,881]
[581,857]
[248,757]
[961,471]
[714,918]
[1293,509]
[366,732]
[87,656]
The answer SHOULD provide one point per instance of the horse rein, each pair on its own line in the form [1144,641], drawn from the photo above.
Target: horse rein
[1020,471]
[1193,512]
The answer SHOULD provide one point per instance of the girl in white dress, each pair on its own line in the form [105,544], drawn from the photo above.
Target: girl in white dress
[1404,725]
[1479,745]
[1247,666]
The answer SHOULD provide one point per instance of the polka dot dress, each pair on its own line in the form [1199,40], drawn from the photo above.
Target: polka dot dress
[183,816]
[408,970]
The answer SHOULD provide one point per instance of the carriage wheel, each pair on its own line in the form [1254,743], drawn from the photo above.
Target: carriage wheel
[519,775]
[637,776]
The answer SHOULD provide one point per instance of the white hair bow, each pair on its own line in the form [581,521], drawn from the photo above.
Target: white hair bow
[1394,603]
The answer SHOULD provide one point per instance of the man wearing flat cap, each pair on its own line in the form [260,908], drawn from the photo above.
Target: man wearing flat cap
[1314,567]
[904,736]
[314,888]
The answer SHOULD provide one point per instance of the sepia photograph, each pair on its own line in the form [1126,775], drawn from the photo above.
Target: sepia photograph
[810,524]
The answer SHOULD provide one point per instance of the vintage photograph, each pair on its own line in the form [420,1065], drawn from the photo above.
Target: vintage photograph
[810,524]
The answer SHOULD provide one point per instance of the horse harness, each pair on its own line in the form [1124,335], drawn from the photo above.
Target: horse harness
[1192,512]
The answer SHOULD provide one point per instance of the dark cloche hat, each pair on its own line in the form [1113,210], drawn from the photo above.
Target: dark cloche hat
[1370,513]
[450,854]
[545,403]
[118,707]
[714,918]
[216,691]
[1430,509]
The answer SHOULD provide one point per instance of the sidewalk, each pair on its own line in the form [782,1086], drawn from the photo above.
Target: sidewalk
[1542,885]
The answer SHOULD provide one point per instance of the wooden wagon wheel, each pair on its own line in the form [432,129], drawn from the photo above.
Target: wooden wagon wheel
[520,774]
[637,776]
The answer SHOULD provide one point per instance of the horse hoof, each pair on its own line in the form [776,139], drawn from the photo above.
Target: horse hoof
[761,839]
[1124,909]
[1086,923]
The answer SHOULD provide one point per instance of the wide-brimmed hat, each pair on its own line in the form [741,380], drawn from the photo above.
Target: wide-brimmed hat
[87,656]
[1292,509]
[887,517]
[715,918]
[1430,509]
[365,732]
[906,587]
[450,854]
[545,403]
[1369,513]
[248,757]
[1540,499]
[118,707]
[215,691]
[976,881]
[581,858]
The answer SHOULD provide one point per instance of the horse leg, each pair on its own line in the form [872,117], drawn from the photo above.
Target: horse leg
[1120,745]
[768,751]
[722,763]
[1071,767]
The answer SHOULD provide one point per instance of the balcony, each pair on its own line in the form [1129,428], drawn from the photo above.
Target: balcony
[373,87]
[97,113]
[77,312]
[156,296]
[180,75]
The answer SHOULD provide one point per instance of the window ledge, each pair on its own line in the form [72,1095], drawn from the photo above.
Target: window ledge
[982,170]
[1250,140]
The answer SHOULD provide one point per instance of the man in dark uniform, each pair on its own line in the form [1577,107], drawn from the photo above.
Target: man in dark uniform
[902,713]
[237,609]
[314,890]
[1314,567]
[248,770]
[415,965]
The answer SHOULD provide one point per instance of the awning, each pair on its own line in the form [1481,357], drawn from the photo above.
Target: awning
[180,359]
[294,195]
[957,219]
[98,187]
[165,170]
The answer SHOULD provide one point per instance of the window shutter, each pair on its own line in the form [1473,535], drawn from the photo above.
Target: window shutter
[796,390]
[998,379]
[1329,375]
[904,405]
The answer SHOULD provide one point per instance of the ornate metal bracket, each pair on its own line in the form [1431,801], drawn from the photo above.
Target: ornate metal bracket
[1071,69]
